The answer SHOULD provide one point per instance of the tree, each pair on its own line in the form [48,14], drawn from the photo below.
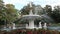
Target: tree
[1,3]
[48,9]
[2,12]
[12,13]
[56,14]
[39,10]
[8,13]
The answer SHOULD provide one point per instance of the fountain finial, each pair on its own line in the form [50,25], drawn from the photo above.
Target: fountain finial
[31,13]
[31,4]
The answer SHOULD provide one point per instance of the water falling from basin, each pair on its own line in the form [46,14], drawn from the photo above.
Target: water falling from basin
[14,26]
[40,25]
[45,26]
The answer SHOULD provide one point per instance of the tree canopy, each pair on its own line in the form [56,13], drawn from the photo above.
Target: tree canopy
[8,13]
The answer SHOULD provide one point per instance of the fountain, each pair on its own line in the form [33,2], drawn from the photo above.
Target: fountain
[31,17]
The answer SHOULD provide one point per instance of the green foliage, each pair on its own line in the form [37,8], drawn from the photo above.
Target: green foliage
[12,13]
[56,14]
[8,13]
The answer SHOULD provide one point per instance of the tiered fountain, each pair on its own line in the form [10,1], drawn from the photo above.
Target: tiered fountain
[31,17]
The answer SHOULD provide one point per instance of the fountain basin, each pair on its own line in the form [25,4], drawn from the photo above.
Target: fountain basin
[31,17]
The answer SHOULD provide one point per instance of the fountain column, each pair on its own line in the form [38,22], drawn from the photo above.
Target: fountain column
[31,24]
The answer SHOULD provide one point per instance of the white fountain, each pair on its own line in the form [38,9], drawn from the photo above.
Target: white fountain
[31,17]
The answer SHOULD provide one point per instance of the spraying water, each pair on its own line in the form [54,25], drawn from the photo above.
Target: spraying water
[40,26]
[14,26]
[45,26]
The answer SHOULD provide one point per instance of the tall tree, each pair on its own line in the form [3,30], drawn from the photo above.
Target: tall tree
[39,10]
[48,9]
[56,14]
[2,12]
[12,13]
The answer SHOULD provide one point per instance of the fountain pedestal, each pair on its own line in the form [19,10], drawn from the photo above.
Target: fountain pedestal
[31,24]
[31,17]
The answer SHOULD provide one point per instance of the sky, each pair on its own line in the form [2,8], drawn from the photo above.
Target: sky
[21,3]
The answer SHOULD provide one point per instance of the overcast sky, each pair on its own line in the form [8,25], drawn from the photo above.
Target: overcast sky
[20,3]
